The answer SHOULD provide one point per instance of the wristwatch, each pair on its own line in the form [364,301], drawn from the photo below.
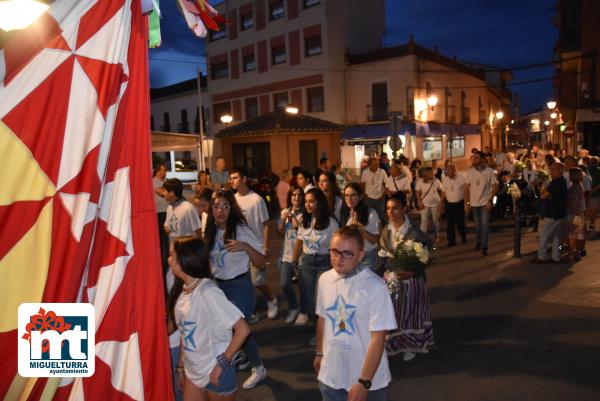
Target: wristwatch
[366,383]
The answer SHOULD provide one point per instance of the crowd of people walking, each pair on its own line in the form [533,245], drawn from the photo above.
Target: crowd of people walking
[343,261]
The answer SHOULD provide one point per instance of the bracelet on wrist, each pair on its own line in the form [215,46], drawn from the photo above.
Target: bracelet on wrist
[223,362]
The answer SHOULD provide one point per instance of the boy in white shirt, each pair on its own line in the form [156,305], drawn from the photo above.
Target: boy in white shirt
[355,314]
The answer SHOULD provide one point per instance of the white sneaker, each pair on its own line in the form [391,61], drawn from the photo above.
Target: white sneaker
[272,308]
[409,356]
[254,318]
[259,373]
[301,320]
[291,317]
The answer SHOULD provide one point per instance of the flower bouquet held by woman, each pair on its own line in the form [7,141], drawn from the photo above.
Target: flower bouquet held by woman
[405,249]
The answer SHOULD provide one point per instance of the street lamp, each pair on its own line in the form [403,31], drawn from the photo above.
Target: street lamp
[226,118]
[291,109]
[551,104]
[499,115]
[432,101]
[19,14]
[553,115]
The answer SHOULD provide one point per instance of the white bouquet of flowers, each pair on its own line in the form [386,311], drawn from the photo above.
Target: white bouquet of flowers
[409,259]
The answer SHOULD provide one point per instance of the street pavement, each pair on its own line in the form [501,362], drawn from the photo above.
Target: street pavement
[505,329]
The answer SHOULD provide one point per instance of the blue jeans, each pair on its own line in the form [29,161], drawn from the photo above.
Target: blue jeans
[333,394]
[174,361]
[311,268]
[286,272]
[482,225]
[227,383]
[551,233]
[240,292]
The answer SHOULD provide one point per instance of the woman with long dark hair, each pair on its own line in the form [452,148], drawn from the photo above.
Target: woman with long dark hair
[289,221]
[311,251]
[356,211]
[211,327]
[305,180]
[233,246]
[327,184]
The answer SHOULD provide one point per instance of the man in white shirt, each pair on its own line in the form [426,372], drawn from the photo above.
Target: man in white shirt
[257,217]
[480,187]
[373,182]
[182,217]
[355,314]
[453,200]
[398,181]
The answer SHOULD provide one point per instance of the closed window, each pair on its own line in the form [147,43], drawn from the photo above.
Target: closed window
[310,3]
[316,100]
[312,46]
[278,55]
[432,149]
[276,10]
[280,100]
[249,62]
[221,109]
[251,105]
[216,35]
[456,147]
[246,21]
[219,70]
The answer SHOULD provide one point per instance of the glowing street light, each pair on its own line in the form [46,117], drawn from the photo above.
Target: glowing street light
[499,115]
[226,118]
[19,14]
[553,115]
[546,123]
[291,110]
[551,104]
[432,101]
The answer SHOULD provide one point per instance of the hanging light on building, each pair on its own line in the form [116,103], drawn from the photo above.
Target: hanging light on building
[432,101]
[553,115]
[291,109]
[499,115]
[226,118]
[19,14]
[551,104]
[546,123]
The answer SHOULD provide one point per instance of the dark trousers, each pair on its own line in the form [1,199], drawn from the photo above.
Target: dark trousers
[455,218]
[163,238]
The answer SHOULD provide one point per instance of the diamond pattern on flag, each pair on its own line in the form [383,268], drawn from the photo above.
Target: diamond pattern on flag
[78,207]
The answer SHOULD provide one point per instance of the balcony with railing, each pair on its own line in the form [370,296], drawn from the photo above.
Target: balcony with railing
[378,112]
[183,127]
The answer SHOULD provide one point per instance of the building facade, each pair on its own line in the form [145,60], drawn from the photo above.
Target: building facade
[578,74]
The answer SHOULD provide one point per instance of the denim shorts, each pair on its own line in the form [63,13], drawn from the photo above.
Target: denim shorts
[227,383]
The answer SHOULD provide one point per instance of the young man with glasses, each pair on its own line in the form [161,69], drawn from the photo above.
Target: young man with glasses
[350,360]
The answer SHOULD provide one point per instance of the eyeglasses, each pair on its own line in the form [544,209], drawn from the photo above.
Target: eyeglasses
[216,206]
[344,254]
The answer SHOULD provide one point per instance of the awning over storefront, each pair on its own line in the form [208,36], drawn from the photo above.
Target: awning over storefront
[359,134]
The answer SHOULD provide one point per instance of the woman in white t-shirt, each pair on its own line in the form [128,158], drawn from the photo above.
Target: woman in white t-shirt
[212,329]
[233,246]
[429,191]
[327,184]
[356,211]
[288,224]
[311,251]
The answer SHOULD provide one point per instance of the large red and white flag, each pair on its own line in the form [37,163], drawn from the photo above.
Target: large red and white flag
[77,214]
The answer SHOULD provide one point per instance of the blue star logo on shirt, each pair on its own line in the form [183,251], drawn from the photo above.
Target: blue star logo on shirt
[341,316]
[188,329]
[218,259]
[314,241]
[174,224]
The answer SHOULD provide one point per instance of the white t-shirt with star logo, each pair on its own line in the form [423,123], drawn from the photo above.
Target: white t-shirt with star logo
[205,319]
[352,308]
[226,265]
[317,242]
[182,220]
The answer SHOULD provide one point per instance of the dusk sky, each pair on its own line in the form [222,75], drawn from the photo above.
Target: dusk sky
[507,33]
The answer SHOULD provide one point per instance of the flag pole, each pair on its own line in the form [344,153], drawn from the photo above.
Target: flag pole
[200,119]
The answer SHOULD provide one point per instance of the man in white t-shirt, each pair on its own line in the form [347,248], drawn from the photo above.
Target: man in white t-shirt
[373,182]
[158,179]
[429,191]
[453,200]
[355,314]
[398,181]
[480,187]
[257,216]
[182,217]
